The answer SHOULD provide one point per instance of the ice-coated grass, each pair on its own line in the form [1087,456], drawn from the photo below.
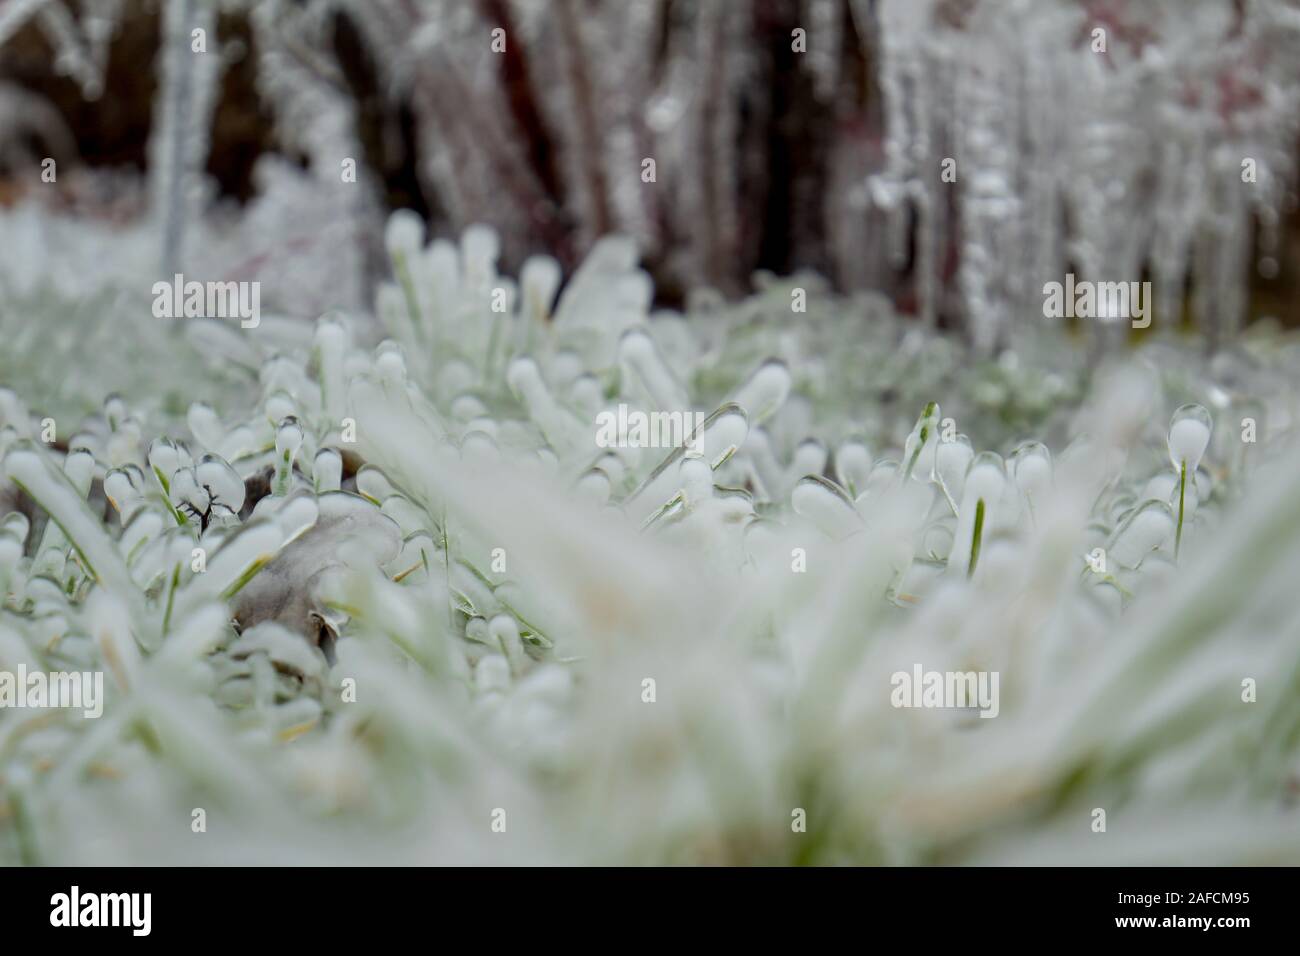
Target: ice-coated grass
[384,587]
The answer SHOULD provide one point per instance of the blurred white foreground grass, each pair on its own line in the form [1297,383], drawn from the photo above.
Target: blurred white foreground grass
[498,589]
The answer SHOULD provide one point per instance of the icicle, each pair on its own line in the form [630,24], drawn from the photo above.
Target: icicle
[178,149]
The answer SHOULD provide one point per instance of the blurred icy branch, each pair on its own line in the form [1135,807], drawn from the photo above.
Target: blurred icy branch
[1109,139]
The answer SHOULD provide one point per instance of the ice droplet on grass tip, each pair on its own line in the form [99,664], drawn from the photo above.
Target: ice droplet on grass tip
[986,480]
[416,548]
[204,425]
[1189,436]
[221,482]
[951,460]
[882,474]
[613,466]
[480,245]
[279,406]
[476,629]
[1157,572]
[560,426]
[15,525]
[288,438]
[332,335]
[638,352]
[503,631]
[296,515]
[985,477]
[764,391]
[1204,484]
[79,466]
[115,411]
[825,506]
[140,527]
[478,447]
[373,483]
[1147,528]
[347,516]
[327,470]
[1033,470]
[852,466]
[564,367]
[922,442]
[540,278]
[408,516]
[390,362]
[724,430]
[466,408]
[937,538]
[166,457]
[404,233]
[84,529]
[231,565]
[492,673]
[586,394]
[1161,487]
[593,485]
[124,488]
[240,442]
[330,343]
[11,552]
[809,458]
[695,478]
[281,645]
[187,494]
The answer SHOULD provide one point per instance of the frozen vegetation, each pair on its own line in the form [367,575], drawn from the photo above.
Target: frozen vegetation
[425,595]
[365,587]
